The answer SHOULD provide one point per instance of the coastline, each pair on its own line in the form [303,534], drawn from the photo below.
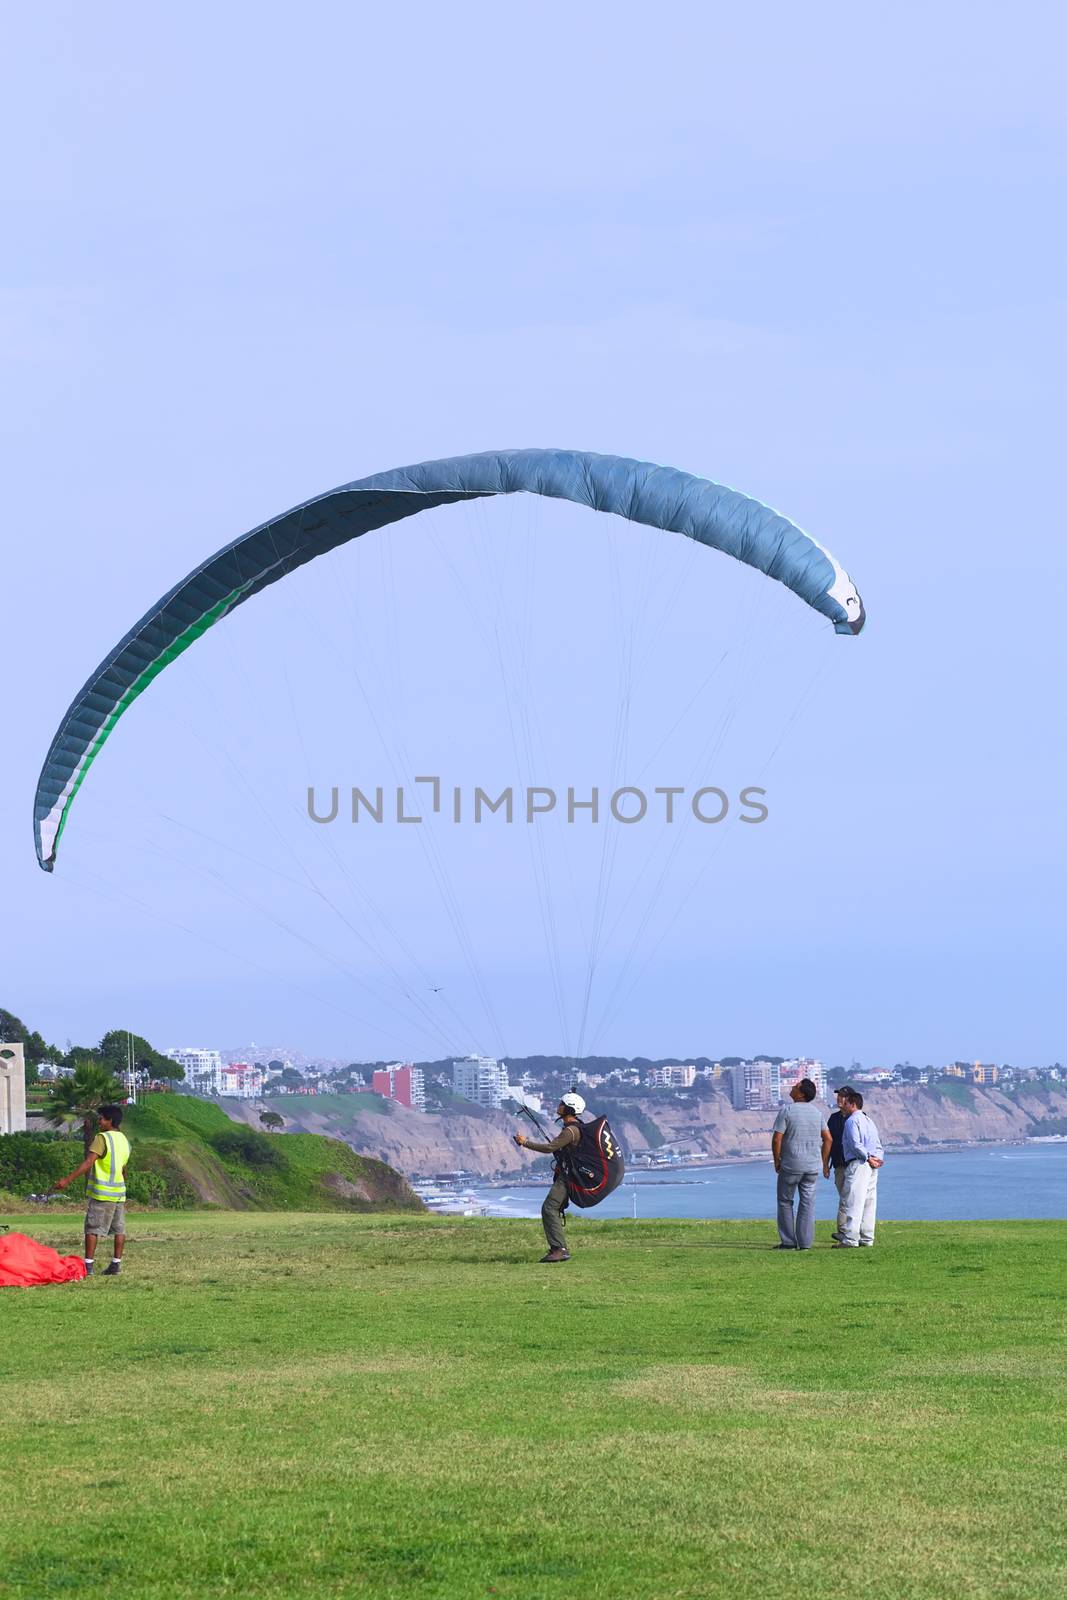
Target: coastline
[664,1171]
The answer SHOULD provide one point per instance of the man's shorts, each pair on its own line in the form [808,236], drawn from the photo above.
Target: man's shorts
[105,1216]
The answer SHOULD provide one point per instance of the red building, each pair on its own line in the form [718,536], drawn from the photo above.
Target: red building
[404,1084]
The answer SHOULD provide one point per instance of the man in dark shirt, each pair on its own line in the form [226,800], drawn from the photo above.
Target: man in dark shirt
[567,1112]
[836,1124]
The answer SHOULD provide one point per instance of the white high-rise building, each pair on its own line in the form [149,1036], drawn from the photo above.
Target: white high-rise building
[754,1085]
[201,1068]
[481,1079]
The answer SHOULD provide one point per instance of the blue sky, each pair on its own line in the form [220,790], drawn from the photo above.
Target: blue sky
[818,256]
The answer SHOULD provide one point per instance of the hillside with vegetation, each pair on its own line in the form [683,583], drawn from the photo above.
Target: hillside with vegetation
[188,1153]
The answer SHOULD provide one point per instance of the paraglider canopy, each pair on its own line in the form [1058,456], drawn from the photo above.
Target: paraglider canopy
[25,1264]
[660,497]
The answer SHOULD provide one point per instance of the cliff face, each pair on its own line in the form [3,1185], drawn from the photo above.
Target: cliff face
[416,1144]
[421,1146]
[907,1116]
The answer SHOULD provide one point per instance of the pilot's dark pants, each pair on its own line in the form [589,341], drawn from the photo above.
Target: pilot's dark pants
[555,1200]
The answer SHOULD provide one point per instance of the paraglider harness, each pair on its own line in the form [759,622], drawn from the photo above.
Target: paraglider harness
[593,1167]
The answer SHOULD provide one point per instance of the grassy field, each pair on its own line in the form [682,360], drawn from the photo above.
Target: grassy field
[337,1405]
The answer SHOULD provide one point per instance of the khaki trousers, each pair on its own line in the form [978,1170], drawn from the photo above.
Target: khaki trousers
[859,1204]
[554,1201]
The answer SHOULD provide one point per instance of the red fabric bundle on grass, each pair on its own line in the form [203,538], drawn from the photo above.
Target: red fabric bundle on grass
[24,1263]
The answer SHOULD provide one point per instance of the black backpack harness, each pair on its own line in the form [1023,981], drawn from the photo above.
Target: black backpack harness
[592,1167]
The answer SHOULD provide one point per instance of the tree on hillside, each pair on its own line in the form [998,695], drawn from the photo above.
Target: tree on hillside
[76,1054]
[356,1072]
[271,1121]
[82,1095]
[34,1048]
[113,1052]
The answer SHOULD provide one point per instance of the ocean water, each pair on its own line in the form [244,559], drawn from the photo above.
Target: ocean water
[995,1181]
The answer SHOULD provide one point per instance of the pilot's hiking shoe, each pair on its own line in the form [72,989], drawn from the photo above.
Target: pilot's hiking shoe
[112,1271]
[557,1255]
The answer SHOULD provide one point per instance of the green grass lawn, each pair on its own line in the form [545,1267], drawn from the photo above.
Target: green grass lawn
[280,1405]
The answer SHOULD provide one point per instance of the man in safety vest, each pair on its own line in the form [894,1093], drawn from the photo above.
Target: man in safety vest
[106,1164]
[568,1111]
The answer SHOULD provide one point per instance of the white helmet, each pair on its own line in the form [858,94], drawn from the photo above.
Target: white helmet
[573,1102]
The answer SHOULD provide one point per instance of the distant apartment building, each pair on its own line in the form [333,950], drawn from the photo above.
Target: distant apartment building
[403,1083]
[201,1068]
[481,1079]
[679,1077]
[240,1081]
[985,1072]
[791,1072]
[755,1085]
[207,1073]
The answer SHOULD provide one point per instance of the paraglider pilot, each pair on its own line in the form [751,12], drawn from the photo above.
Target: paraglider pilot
[568,1111]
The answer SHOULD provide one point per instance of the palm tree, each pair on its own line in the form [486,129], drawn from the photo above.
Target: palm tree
[90,1087]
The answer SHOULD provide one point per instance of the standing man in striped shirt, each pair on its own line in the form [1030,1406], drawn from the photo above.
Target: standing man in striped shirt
[106,1164]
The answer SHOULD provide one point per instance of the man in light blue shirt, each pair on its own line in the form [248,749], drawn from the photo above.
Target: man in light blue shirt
[863,1153]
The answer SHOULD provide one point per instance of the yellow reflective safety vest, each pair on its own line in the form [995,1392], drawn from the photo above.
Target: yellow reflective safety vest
[105,1177]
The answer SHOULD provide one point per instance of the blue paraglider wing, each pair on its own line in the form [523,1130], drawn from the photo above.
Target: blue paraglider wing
[661,497]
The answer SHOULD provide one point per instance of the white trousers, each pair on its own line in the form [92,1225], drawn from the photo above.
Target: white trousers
[859,1204]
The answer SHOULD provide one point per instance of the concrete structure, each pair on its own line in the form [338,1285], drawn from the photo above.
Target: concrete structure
[755,1085]
[680,1077]
[207,1073]
[403,1083]
[791,1072]
[481,1079]
[12,1089]
[985,1072]
[240,1081]
[201,1067]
